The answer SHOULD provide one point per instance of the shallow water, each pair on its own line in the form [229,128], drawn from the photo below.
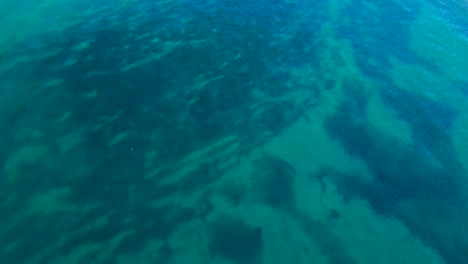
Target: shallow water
[233,132]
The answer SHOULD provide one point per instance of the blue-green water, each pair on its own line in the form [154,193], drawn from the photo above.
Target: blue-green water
[192,131]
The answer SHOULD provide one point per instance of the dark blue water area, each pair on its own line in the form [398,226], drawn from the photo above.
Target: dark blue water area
[427,169]
[379,31]
[268,15]
[261,25]
[430,120]
[431,123]
[461,86]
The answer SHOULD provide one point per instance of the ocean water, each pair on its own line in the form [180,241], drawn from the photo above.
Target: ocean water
[202,131]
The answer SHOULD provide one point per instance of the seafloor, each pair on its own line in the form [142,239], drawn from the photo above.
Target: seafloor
[203,132]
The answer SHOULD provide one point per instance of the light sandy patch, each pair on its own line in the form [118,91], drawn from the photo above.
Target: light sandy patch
[26,155]
[50,202]
[440,43]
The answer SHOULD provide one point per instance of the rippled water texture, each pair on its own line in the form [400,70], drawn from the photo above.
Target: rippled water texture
[193,131]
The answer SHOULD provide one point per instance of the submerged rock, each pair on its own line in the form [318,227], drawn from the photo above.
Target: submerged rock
[233,239]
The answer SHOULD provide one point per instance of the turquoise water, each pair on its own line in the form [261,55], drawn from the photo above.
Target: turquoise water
[192,131]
